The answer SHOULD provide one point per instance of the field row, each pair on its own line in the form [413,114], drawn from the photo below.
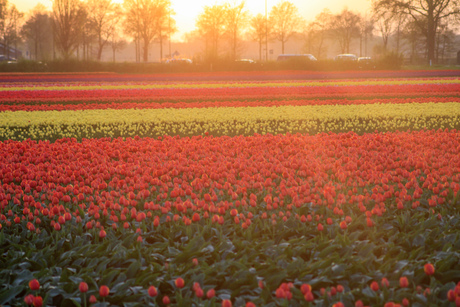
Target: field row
[21,125]
[338,213]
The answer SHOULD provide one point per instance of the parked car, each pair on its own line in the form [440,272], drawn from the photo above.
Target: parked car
[346,57]
[295,57]
[366,63]
[245,61]
[4,58]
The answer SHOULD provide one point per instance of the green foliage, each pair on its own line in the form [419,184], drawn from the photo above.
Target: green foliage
[391,61]
[232,260]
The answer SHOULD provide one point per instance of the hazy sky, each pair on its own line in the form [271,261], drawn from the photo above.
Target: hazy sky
[188,10]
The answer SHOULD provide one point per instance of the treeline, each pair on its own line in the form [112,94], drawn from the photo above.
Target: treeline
[391,61]
[83,29]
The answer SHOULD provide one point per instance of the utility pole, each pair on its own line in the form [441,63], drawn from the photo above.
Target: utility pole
[169,32]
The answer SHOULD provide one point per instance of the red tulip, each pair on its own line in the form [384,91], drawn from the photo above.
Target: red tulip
[226,303]
[343,225]
[250,304]
[359,303]
[179,282]
[34,284]
[451,295]
[152,291]
[369,222]
[429,269]
[92,299]
[375,286]
[199,292]
[320,227]
[304,288]
[405,302]
[403,282]
[38,301]
[195,217]
[104,291]
[261,284]
[166,300]
[195,261]
[384,282]
[309,297]
[83,287]
[102,233]
[211,293]
[29,299]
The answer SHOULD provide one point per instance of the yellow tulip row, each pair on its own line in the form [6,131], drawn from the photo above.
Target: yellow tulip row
[22,125]
[35,87]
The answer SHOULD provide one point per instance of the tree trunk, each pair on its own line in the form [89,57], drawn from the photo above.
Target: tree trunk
[234,46]
[260,50]
[161,48]
[431,37]
[100,47]
[146,50]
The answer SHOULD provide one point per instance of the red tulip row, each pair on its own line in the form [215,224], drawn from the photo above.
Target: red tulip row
[259,177]
[213,104]
[224,76]
[282,292]
[329,91]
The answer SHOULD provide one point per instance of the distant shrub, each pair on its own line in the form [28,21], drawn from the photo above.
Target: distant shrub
[390,60]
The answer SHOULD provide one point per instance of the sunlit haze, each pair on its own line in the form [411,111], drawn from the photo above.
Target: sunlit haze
[187,11]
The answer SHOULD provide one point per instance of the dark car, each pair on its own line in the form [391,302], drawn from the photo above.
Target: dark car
[348,57]
[366,63]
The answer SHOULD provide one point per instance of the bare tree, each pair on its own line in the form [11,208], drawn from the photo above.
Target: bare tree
[285,21]
[104,15]
[10,27]
[116,42]
[384,22]
[444,41]
[68,19]
[211,26]
[412,34]
[345,26]
[366,27]
[37,32]
[427,15]
[143,20]
[318,31]
[236,19]
[165,25]
[258,31]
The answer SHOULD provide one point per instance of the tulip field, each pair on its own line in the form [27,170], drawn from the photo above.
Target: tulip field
[246,189]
